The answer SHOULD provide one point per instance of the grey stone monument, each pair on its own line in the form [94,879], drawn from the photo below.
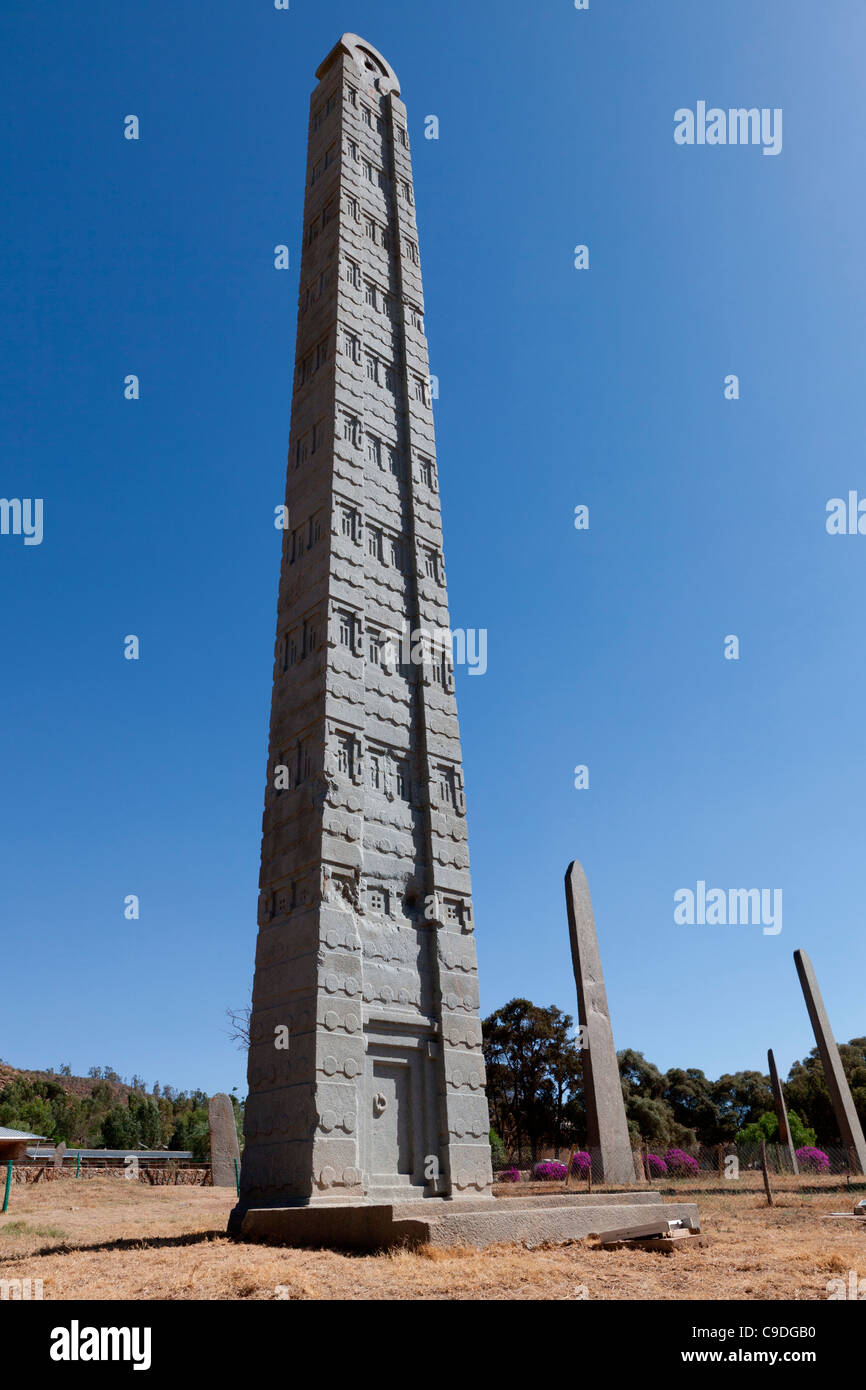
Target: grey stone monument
[782,1113]
[225,1155]
[59,1155]
[843,1103]
[366,1121]
[607,1128]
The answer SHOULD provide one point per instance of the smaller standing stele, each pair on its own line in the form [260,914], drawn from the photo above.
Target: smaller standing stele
[840,1093]
[606,1125]
[225,1154]
[782,1113]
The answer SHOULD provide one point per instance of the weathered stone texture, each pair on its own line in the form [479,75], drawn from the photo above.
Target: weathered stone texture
[365,952]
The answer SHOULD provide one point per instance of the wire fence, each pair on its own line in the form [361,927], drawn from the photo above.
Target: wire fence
[170,1173]
[721,1167]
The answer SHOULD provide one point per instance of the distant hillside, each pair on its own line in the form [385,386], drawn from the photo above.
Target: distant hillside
[104,1111]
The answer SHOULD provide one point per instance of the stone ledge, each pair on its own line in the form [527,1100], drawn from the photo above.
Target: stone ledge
[481,1222]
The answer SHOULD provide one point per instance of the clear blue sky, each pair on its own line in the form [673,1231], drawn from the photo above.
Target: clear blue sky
[558,387]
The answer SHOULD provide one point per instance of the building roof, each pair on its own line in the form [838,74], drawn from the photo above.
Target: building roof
[17,1134]
[119,1153]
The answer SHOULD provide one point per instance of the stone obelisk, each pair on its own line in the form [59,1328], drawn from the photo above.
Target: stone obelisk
[366,1073]
[850,1128]
[607,1129]
[225,1157]
[782,1113]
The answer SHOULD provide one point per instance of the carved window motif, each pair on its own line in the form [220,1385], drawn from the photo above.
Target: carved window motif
[346,755]
[394,461]
[330,103]
[421,390]
[349,521]
[367,116]
[395,552]
[407,191]
[385,238]
[352,346]
[402,783]
[427,471]
[317,435]
[353,273]
[297,549]
[318,117]
[352,149]
[370,293]
[390,378]
[309,636]
[316,173]
[314,530]
[375,771]
[321,353]
[375,647]
[445,785]
[400,132]
[412,251]
[387,306]
[431,564]
[370,228]
[347,630]
[283,901]
[328,212]
[352,208]
[302,449]
[330,156]
[374,450]
[416,318]
[324,281]
[374,542]
[352,95]
[352,430]
[367,170]
[377,900]
[290,649]
[313,231]
[454,911]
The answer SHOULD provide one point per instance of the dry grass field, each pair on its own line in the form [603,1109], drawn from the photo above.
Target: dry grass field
[105,1239]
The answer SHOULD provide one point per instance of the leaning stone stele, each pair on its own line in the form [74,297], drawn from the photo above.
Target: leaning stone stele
[607,1135]
[840,1092]
[225,1154]
[367,1118]
[785,1139]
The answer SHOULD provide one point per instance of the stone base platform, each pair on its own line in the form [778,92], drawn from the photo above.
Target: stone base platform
[464,1221]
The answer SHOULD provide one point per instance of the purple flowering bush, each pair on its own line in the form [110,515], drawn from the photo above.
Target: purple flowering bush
[656,1165]
[581,1163]
[551,1171]
[680,1164]
[508,1175]
[813,1160]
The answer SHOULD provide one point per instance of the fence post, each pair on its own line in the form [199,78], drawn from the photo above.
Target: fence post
[767,1187]
[78,1163]
[8,1184]
[567,1171]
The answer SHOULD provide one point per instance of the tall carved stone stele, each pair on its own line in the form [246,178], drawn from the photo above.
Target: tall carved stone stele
[366,954]
[843,1102]
[782,1113]
[367,1121]
[606,1125]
